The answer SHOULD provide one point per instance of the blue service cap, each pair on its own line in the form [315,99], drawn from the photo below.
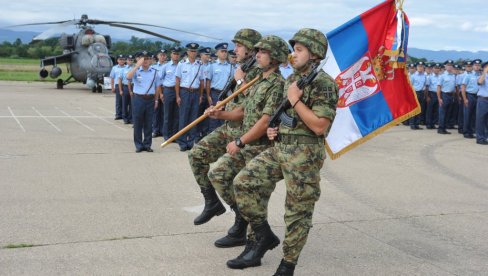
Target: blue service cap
[120,56]
[146,54]
[421,63]
[176,49]
[222,46]
[449,62]
[213,55]
[411,65]
[457,66]
[231,53]
[468,63]
[130,57]
[477,61]
[206,51]
[192,46]
[162,51]
[438,65]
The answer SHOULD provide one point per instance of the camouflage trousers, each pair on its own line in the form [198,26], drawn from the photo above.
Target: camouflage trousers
[223,171]
[208,150]
[299,165]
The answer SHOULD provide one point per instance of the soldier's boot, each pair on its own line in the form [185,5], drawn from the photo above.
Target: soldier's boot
[285,269]
[213,206]
[265,240]
[236,236]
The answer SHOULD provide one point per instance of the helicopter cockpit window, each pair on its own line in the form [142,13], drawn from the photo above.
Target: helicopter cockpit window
[89,39]
[97,48]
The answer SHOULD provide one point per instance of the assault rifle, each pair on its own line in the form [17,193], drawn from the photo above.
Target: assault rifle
[280,115]
[231,84]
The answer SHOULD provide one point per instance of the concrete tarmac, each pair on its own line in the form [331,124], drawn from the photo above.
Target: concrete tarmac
[75,199]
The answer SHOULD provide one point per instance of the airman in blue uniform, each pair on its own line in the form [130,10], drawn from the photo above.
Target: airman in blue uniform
[432,103]
[233,58]
[114,73]
[147,88]
[204,126]
[446,92]
[219,74]
[482,108]
[286,69]
[168,77]
[419,81]
[158,121]
[189,91]
[469,89]
[458,110]
[125,90]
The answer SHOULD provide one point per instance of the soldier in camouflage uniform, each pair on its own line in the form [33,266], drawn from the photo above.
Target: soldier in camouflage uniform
[212,146]
[297,156]
[262,99]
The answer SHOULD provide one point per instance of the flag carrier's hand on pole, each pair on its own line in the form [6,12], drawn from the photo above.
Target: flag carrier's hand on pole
[205,115]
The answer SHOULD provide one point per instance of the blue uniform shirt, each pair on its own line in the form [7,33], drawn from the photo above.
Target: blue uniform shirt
[447,82]
[418,81]
[168,72]
[115,72]
[123,74]
[459,80]
[187,71]
[142,79]
[219,74]
[471,81]
[483,91]
[205,68]
[286,70]
[432,81]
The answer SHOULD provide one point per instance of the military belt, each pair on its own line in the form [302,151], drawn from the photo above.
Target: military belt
[145,97]
[261,141]
[191,89]
[289,139]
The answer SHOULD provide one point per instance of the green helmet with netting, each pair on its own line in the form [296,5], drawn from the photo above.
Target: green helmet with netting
[314,40]
[277,47]
[247,37]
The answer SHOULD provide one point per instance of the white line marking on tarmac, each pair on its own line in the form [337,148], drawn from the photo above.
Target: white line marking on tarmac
[15,118]
[76,120]
[46,119]
[105,120]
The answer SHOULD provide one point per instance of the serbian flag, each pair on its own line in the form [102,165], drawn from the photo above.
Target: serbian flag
[367,57]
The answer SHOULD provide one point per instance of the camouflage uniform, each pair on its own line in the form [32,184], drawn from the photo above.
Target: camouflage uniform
[297,158]
[262,98]
[212,146]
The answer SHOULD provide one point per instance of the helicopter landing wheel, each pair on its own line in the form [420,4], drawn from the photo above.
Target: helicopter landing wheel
[59,84]
[99,88]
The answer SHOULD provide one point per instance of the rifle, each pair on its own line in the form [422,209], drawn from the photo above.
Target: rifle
[231,84]
[280,115]
[205,115]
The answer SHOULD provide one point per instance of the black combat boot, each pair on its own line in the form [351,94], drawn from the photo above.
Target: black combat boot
[213,206]
[265,240]
[285,269]
[236,236]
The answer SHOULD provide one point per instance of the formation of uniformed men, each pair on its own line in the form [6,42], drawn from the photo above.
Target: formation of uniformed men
[452,96]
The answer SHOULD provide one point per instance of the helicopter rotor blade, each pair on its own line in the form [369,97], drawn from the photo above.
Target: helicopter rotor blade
[54,30]
[144,31]
[95,21]
[40,23]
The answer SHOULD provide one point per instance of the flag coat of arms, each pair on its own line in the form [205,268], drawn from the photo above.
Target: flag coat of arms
[366,57]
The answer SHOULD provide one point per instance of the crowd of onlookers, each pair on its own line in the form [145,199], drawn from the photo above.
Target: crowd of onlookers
[452,96]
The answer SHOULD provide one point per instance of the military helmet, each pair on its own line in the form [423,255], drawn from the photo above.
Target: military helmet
[314,40]
[277,47]
[247,37]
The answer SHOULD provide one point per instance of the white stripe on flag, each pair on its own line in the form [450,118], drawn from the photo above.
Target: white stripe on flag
[331,66]
[343,132]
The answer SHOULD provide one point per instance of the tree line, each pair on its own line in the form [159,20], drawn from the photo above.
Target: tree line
[51,47]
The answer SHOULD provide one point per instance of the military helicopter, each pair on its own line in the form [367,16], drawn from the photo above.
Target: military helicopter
[87,51]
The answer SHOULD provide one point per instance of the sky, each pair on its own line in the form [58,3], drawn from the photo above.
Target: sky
[435,25]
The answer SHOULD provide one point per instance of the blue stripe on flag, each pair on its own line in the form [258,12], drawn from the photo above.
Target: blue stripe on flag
[371,113]
[348,42]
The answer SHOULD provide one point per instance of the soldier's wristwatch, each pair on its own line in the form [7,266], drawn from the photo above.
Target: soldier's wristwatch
[239,143]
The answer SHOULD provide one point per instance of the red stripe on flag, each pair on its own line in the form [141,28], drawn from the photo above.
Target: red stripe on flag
[375,23]
[399,94]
